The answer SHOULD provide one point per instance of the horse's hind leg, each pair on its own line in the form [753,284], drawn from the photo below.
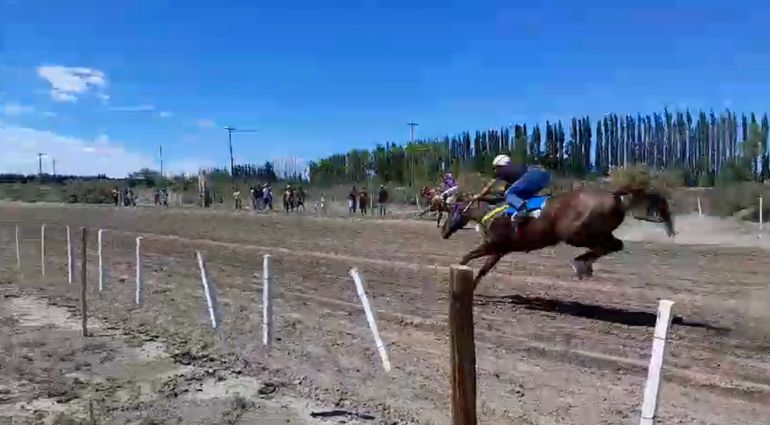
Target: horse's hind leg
[583,263]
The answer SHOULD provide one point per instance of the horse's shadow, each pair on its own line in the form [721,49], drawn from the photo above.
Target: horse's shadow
[590,311]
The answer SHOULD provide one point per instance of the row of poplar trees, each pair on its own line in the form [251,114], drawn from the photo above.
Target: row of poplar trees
[703,148]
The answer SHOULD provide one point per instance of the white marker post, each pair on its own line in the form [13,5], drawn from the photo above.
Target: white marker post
[267,302]
[138,292]
[18,253]
[370,318]
[70,265]
[761,225]
[42,250]
[652,387]
[700,210]
[101,259]
[210,292]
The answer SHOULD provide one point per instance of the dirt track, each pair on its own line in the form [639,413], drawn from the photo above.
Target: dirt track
[551,349]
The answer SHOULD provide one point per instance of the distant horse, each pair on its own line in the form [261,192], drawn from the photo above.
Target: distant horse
[582,218]
[437,204]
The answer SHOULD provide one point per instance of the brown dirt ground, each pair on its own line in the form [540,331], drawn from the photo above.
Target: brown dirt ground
[550,349]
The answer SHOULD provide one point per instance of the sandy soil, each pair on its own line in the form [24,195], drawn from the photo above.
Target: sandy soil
[551,349]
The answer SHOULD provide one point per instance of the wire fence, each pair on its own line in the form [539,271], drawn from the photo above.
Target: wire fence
[223,299]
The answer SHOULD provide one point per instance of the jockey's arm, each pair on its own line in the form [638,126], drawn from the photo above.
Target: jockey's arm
[486,188]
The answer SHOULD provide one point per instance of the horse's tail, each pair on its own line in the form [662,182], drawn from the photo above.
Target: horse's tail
[656,205]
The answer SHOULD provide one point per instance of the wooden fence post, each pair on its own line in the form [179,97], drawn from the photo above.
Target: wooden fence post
[651,388]
[83,279]
[138,291]
[42,250]
[267,302]
[463,345]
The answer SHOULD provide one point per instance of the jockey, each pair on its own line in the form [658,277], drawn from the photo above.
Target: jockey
[450,187]
[521,183]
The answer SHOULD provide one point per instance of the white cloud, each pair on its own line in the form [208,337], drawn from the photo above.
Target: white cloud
[63,97]
[73,155]
[13,109]
[103,97]
[165,114]
[133,108]
[50,114]
[205,123]
[67,83]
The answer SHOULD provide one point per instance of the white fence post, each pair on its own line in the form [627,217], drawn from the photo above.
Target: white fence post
[18,252]
[700,210]
[761,225]
[42,250]
[652,387]
[138,292]
[70,265]
[370,318]
[209,291]
[101,259]
[267,302]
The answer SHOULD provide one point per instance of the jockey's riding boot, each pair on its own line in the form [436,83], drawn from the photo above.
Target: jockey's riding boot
[520,219]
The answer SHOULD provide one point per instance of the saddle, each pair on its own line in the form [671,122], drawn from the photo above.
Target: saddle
[533,206]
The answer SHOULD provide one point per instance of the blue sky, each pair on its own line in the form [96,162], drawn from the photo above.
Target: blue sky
[101,84]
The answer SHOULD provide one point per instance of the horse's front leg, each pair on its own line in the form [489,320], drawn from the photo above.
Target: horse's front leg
[480,251]
[492,260]
[438,220]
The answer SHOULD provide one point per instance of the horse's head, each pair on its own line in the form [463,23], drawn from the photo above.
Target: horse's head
[456,220]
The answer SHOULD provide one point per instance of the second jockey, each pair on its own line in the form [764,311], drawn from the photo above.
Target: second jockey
[450,187]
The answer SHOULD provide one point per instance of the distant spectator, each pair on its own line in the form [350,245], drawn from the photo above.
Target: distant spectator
[115,195]
[267,196]
[382,199]
[363,201]
[352,199]
[237,198]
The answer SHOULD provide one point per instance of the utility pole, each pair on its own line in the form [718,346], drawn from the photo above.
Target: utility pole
[160,153]
[53,166]
[40,163]
[412,125]
[230,131]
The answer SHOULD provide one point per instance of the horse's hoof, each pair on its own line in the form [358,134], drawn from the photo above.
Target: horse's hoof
[582,269]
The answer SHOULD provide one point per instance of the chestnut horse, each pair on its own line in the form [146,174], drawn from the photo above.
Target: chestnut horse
[582,218]
[437,204]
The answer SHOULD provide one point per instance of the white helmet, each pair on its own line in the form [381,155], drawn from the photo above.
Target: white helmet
[501,160]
